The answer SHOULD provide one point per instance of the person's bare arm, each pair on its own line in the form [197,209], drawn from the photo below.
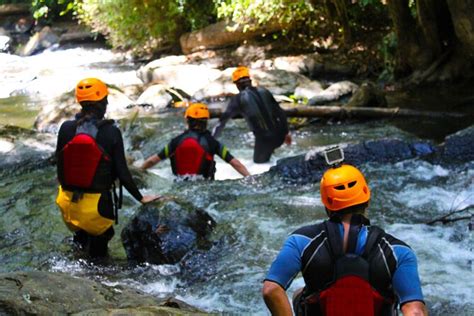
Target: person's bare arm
[276,300]
[150,162]
[239,167]
[415,308]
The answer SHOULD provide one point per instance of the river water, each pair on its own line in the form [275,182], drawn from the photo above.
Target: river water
[253,215]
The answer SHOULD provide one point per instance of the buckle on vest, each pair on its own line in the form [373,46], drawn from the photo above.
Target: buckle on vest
[76,196]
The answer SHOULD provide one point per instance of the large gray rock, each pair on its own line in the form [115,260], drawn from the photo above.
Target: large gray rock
[40,41]
[309,168]
[155,96]
[65,107]
[189,78]
[308,89]
[279,82]
[47,293]
[459,147]
[334,92]
[368,95]
[23,149]
[189,230]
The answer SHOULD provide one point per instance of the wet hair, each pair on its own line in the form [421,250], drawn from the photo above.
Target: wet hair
[243,83]
[355,209]
[197,124]
[93,110]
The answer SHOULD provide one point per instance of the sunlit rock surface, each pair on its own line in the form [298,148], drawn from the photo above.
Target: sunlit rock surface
[188,227]
[334,92]
[48,293]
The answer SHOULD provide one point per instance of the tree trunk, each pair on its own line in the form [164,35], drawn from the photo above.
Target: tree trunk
[409,54]
[439,44]
[359,112]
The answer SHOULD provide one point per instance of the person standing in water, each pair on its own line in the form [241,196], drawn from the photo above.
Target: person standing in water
[263,115]
[90,158]
[349,267]
[192,152]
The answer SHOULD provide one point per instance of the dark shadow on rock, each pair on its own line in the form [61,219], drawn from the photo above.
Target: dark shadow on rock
[188,229]
[309,168]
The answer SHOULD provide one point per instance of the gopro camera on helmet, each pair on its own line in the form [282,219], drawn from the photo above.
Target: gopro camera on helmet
[334,156]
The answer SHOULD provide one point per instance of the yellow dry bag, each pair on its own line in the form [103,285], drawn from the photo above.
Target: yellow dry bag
[82,214]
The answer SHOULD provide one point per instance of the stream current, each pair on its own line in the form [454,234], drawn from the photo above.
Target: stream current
[253,215]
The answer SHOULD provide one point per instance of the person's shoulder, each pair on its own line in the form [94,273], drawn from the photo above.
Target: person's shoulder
[386,237]
[309,231]
[68,123]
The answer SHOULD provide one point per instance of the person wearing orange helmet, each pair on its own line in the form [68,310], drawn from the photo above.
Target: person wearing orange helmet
[263,114]
[90,158]
[349,267]
[192,152]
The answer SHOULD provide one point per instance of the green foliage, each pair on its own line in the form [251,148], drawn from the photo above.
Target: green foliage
[50,10]
[145,25]
[254,13]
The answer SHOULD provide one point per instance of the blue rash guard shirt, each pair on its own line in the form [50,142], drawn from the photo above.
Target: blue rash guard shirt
[405,280]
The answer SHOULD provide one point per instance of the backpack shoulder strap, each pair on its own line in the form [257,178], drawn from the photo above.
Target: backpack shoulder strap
[374,235]
[334,238]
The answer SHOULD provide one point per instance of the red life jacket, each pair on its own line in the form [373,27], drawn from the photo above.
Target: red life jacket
[83,165]
[191,157]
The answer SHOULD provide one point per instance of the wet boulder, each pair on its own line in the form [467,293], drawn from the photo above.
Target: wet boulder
[458,147]
[310,167]
[188,229]
[23,149]
[48,293]
[368,95]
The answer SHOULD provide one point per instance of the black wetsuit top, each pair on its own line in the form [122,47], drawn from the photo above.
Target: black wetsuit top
[110,139]
[264,117]
[261,111]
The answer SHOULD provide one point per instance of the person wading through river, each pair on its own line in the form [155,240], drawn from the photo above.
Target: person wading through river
[192,152]
[90,156]
[348,266]
[263,114]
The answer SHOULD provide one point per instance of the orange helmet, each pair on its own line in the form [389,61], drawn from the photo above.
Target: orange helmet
[197,111]
[239,73]
[91,89]
[342,187]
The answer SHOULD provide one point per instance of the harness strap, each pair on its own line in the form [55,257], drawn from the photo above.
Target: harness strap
[374,235]
[334,239]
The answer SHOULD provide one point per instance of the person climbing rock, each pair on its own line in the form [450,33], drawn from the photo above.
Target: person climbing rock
[263,115]
[192,152]
[349,267]
[90,158]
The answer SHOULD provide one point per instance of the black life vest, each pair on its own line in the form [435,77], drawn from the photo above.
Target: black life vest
[355,285]
[83,165]
[192,156]
[260,110]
